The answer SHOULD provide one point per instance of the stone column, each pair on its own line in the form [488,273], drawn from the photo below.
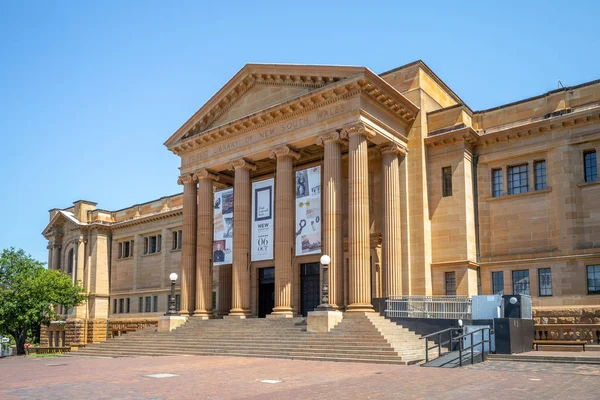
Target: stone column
[204,244]
[392,222]
[188,251]
[240,277]
[284,229]
[359,288]
[56,256]
[333,239]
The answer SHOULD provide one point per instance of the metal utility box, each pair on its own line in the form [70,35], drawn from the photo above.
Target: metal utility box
[486,307]
[517,306]
[513,335]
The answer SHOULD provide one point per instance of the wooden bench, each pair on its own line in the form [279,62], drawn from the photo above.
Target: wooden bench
[536,343]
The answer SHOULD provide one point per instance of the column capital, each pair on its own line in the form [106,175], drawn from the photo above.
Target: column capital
[242,163]
[185,179]
[281,151]
[358,128]
[205,174]
[393,148]
[333,136]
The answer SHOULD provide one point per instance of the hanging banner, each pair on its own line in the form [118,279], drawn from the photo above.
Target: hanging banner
[223,231]
[263,207]
[308,211]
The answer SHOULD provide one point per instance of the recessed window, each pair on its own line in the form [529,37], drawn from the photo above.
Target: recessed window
[450,284]
[593,279]
[121,306]
[70,262]
[545,279]
[590,166]
[114,306]
[177,302]
[520,282]
[125,249]
[517,179]
[128,305]
[152,244]
[148,304]
[155,304]
[177,236]
[498,282]
[540,174]
[497,184]
[447,181]
[140,304]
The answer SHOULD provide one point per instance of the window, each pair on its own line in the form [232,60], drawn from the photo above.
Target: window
[148,303]
[177,302]
[121,306]
[70,262]
[152,244]
[128,305]
[155,304]
[114,306]
[447,181]
[520,282]
[450,284]
[593,279]
[497,184]
[140,304]
[540,174]
[590,166]
[545,279]
[498,282]
[517,179]
[125,249]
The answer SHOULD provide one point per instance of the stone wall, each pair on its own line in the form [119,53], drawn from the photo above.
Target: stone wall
[568,324]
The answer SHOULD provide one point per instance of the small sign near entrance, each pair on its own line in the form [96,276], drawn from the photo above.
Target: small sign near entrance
[5,340]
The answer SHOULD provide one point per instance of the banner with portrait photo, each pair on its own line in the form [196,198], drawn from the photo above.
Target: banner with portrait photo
[223,227]
[263,207]
[308,211]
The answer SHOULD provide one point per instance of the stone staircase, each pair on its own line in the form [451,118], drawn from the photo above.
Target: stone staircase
[358,338]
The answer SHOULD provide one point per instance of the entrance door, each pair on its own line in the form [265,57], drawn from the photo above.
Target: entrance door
[266,291]
[309,282]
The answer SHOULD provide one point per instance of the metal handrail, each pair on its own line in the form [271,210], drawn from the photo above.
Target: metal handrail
[439,341]
[460,343]
[472,346]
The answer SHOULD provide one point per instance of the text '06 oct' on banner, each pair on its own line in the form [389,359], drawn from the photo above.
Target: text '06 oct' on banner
[308,211]
[223,227]
[263,207]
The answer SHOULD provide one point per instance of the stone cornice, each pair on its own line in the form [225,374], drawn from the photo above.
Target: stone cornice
[205,174]
[463,134]
[242,163]
[147,218]
[360,84]
[281,151]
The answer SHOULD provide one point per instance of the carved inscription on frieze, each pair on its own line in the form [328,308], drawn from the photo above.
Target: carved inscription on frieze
[273,131]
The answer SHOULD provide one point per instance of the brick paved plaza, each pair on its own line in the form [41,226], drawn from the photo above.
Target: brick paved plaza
[239,378]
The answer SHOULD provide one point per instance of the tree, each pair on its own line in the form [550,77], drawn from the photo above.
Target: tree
[28,294]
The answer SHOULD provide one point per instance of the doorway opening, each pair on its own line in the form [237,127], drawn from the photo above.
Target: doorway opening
[310,294]
[266,291]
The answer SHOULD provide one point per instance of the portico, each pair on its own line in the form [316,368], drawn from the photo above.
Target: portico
[264,128]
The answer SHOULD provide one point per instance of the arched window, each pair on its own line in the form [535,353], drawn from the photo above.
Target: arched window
[70,263]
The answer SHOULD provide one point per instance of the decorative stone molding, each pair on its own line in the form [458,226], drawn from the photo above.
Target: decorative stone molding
[205,174]
[186,178]
[330,137]
[358,128]
[464,134]
[282,151]
[393,148]
[242,163]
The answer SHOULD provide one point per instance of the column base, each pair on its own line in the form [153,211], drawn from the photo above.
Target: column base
[280,315]
[202,314]
[323,321]
[356,307]
[237,313]
[183,313]
[168,323]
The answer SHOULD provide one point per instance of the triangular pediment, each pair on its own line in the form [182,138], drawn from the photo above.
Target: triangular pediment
[256,87]
[61,222]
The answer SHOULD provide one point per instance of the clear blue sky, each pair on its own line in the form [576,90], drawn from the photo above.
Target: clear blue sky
[89,91]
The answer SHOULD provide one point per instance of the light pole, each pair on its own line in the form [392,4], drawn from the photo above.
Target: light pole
[325,306]
[171,310]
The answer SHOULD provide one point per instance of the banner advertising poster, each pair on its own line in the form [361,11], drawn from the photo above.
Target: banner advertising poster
[263,207]
[308,211]
[223,232]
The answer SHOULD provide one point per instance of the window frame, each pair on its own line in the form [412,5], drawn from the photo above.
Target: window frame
[114,306]
[590,166]
[446,181]
[128,308]
[154,303]
[140,305]
[121,306]
[546,289]
[494,286]
[148,305]
[587,277]
[451,281]
[522,171]
[497,182]
[540,175]
[516,282]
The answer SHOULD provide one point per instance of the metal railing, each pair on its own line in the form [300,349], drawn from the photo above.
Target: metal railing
[439,343]
[452,340]
[447,307]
